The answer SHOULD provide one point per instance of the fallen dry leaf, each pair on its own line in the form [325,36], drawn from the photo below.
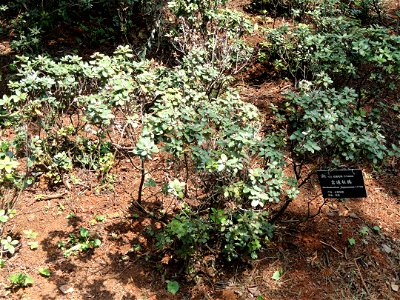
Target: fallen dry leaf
[394,287]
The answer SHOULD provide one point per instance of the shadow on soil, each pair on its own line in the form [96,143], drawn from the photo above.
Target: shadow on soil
[112,271]
[314,257]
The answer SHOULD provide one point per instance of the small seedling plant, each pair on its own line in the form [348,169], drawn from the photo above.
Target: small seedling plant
[83,242]
[31,235]
[172,286]
[8,244]
[20,280]
[277,275]
[352,242]
[45,272]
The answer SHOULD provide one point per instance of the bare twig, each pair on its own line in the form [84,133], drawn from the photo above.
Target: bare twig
[305,180]
[50,197]
[142,177]
[149,214]
[362,278]
[317,213]
[326,244]
[280,212]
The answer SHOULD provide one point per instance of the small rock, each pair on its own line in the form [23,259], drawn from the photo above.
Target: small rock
[66,289]
[394,287]
[353,215]
[331,213]
[254,291]
[386,248]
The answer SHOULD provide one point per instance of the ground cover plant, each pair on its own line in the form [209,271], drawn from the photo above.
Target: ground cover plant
[35,24]
[210,177]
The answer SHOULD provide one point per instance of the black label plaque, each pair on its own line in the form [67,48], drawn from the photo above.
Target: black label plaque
[342,183]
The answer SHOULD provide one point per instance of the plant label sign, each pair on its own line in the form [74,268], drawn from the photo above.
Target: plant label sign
[342,183]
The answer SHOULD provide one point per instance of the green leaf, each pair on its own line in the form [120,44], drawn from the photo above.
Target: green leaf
[376,228]
[30,234]
[44,272]
[363,113]
[71,215]
[172,287]
[277,275]
[7,164]
[96,243]
[61,206]
[150,183]
[100,218]
[351,241]
[20,279]
[28,280]
[9,244]
[33,245]
[3,217]
[11,213]
[84,232]
[176,188]
[364,231]
[16,279]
